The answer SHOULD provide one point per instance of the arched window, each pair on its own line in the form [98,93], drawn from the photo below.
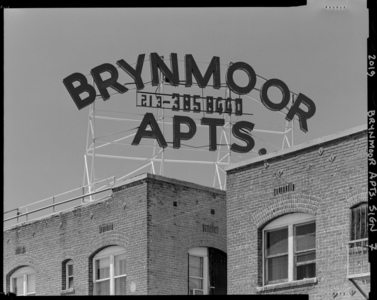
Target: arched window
[109,271]
[67,275]
[198,271]
[359,224]
[207,271]
[289,248]
[22,282]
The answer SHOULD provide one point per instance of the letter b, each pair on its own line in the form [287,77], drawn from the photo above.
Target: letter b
[76,91]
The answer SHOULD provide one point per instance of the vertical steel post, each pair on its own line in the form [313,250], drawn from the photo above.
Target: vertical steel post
[92,179]
[230,138]
[86,171]
[293,119]
[217,159]
[348,260]
[163,124]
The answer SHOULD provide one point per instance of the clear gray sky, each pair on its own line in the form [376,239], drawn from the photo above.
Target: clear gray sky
[319,53]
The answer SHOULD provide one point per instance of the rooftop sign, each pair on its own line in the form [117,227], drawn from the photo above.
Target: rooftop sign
[77,84]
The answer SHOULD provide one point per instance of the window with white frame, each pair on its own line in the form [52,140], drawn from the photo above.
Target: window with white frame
[22,282]
[359,223]
[289,249]
[69,274]
[109,271]
[198,271]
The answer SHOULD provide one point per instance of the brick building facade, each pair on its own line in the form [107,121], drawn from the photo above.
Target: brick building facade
[138,241]
[290,222]
[296,220]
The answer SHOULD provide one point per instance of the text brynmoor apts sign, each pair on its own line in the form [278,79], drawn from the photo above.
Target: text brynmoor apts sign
[190,103]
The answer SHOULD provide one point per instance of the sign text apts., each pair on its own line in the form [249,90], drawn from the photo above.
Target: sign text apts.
[77,84]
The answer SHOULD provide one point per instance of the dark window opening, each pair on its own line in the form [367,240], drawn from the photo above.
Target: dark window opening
[359,223]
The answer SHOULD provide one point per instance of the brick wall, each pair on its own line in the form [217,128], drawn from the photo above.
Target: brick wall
[176,217]
[327,185]
[75,235]
[155,233]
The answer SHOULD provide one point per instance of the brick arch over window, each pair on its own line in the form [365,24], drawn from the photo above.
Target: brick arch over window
[107,239]
[286,204]
[68,254]
[357,196]
[195,243]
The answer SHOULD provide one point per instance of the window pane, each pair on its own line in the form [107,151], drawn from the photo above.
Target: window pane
[277,242]
[363,222]
[305,237]
[18,285]
[195,266]
[353,225]
[120,264]
[30,288]
[195,283]
[305,229]
[357,223]
[277,268]
[308,256]
[120,286]
[103,268]
[70,270]
[102,288]
[305,271]
[70,282]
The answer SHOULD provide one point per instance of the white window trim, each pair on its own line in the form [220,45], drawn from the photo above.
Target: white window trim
[109,252]
[23,272]
[289,220]
[69,263]
[202,252]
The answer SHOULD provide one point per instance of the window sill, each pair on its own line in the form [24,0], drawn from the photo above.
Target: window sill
[283,285]
[67,292]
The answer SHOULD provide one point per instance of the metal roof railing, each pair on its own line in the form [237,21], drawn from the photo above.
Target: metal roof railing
[84,194]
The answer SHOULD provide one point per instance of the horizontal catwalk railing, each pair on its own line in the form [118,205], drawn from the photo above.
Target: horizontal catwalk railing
[357,259]
[79,195]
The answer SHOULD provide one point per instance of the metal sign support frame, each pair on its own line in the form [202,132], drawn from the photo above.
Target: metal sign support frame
[159,155]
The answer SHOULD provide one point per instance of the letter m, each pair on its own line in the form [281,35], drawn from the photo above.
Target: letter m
[192,68]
